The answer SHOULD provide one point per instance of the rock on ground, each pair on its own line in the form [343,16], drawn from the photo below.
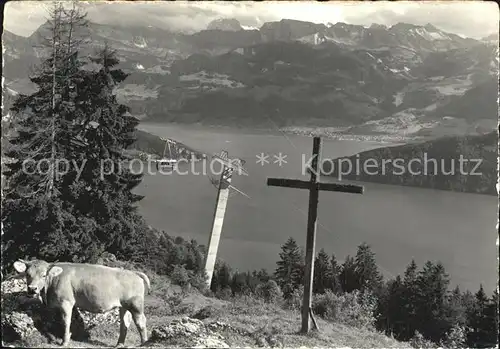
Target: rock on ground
[194,333]
[189,332]
[23,317]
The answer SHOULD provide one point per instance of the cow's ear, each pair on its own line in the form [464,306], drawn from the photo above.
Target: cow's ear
[54,271]
[20,266]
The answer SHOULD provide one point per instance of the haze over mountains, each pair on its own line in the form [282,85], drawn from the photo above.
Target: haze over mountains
[405,79]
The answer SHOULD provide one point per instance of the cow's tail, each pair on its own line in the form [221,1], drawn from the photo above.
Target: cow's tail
[145,278]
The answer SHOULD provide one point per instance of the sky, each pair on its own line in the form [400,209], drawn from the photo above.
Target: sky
[472,18]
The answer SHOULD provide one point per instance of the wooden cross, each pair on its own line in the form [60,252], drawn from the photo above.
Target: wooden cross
[314,186]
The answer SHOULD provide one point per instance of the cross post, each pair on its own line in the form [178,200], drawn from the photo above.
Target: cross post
[314,186]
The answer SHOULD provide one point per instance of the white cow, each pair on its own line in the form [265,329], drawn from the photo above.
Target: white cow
[94,288]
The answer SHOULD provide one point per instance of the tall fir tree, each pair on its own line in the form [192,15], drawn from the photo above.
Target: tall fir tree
[105,188]
[468,300]
[323,275]
[456,308]
[195,258]
[34,214]
[75,213]
[483,320]
[368,277]
[348,275]
[390,303]
[491,321]
[410,303]
[336,269]
[290,267]
[432,284]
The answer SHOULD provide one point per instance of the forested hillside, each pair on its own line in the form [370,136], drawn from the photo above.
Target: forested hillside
[432,164]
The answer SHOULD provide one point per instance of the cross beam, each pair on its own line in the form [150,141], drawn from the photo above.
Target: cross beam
[314,186]
[299,184]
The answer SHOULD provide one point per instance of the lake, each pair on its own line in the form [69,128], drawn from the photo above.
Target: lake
[400,223]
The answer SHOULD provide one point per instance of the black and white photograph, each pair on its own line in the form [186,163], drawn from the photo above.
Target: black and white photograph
[273,174]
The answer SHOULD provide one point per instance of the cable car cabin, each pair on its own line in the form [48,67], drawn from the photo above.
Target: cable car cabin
[166,163]
[168,159]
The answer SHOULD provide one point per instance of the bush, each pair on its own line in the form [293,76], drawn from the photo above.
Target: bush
[225,293]
[294,301]
[354,309]
[418,341]
[269,291]
[199,281]
[180,275]
[455,338]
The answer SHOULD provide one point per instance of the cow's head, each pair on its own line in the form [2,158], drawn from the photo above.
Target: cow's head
[36,273]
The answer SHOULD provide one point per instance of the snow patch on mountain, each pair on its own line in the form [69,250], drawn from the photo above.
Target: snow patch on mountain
[405,72]
[246,27]
[398,98]
[430,35]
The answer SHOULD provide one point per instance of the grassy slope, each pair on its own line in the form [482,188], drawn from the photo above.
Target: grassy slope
[259,318]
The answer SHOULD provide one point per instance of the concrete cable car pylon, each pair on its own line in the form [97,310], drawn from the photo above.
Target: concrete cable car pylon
[223,186]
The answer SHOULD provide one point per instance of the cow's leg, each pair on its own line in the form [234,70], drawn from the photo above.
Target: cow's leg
[125,319]
[140,322]
[66,312]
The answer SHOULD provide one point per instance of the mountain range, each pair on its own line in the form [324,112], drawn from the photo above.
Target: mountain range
[400,80]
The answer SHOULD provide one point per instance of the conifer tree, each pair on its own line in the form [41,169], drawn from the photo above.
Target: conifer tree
[323,276]
[432,284]
[78,213]
[367,274]
[105,187]
[222,276]
[483,320]
[456,308]
[491,322]
[34,214]
[289,269]
[410,275]
[395,320]
[348,278]
[336,269]
[195,257]
[409,301]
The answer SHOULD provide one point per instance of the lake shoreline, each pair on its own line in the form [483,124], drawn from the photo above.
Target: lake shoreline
[299,131]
